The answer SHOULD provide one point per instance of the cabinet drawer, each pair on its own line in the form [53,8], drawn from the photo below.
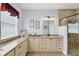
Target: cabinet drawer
[19,46]
[60,43]
[19,49]
[59,49]
[18,52]
[11,53]
[42,49]
[42,43]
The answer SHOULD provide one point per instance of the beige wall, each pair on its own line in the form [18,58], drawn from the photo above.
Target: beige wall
[66,12]
[77,17]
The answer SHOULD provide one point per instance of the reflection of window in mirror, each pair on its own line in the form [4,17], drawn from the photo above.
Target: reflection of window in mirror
[37,24]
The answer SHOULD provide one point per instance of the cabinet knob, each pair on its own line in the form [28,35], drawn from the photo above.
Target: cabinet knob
[42,48]
[20,53]
[59,43]
[59,48]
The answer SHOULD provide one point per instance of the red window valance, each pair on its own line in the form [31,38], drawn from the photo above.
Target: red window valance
[9,8]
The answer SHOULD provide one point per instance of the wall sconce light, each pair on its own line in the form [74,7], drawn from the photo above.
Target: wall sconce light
[48,18]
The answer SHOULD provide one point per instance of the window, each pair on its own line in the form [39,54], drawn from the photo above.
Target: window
[8,25]
[73,28]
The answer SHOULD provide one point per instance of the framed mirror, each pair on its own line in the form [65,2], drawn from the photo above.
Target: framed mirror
[31,23]
[37,25]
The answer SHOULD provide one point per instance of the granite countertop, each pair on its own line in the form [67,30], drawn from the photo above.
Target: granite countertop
[45,36]
[5,48]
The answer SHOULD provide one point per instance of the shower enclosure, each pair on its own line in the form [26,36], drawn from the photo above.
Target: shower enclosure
[73,35]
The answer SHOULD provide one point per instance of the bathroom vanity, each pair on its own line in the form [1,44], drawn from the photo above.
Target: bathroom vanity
[41,43]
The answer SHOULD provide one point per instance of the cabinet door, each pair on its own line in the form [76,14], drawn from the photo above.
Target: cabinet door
[25,49]
[37,44]
[19,50]
[11,53]
[33,45]
[51,45]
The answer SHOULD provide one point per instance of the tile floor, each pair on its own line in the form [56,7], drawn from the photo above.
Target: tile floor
[74,51]
[44,54]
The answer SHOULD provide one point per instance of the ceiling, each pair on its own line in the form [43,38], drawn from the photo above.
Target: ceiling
[48,5]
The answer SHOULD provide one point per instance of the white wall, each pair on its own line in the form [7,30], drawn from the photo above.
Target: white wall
[20,21]
[63,31]
[36,15]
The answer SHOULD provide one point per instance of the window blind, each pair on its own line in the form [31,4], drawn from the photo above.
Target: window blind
[8,25]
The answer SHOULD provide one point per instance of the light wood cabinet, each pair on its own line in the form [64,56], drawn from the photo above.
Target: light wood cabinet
[11,53]
[42,44]
[18,50]
[59,42]
[45,45]
[34,45]
[59,45]
[51,45]
[21,49]
[25,47]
